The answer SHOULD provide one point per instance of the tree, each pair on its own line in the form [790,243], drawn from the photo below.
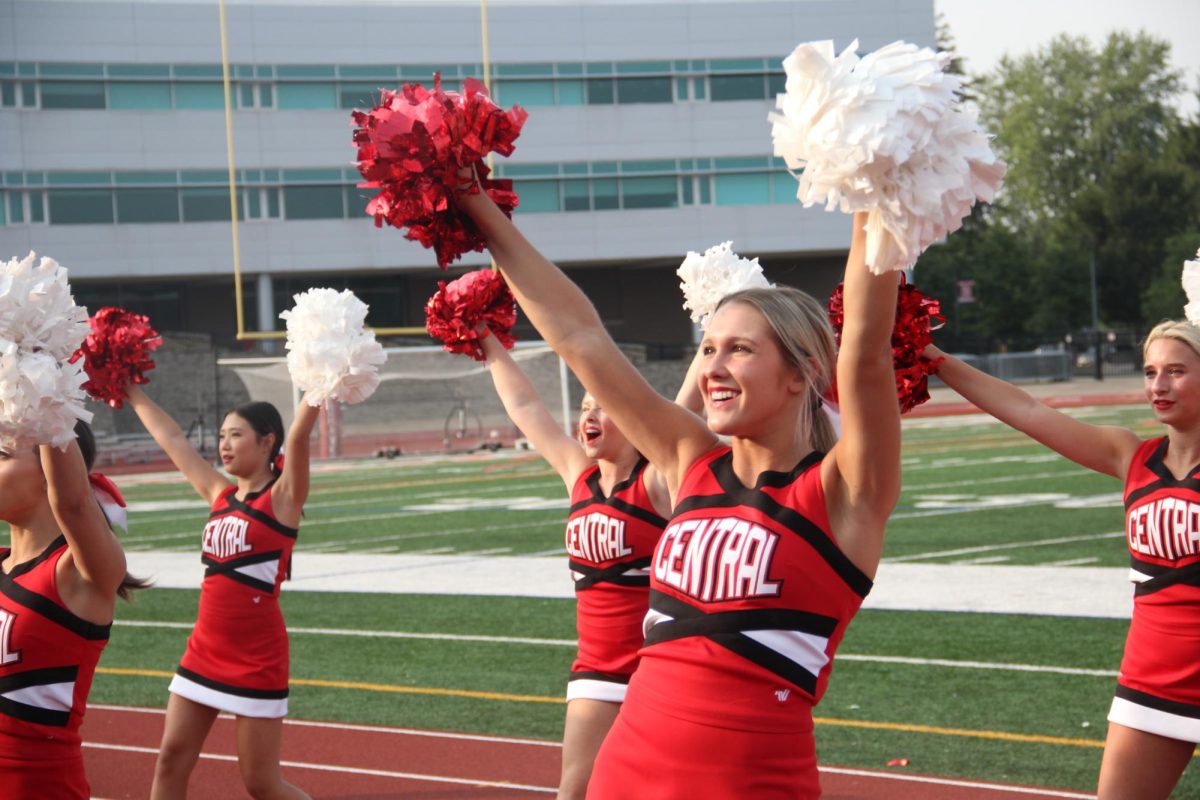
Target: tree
[1087,135]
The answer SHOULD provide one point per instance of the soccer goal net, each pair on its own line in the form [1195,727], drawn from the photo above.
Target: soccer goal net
[427,400]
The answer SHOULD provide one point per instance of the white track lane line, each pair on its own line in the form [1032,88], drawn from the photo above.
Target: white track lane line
[998,787]
[347,726]
[380,773]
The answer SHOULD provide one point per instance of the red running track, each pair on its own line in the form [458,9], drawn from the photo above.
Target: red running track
[361,762]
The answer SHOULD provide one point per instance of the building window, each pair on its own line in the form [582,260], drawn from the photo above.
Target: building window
[743,189]
[147,205]
[260,203]
[199,96]
[644,90]
[205,204]
[80,206]
[73,94]
[358,95]
[601,92]
[657,192]
[308,96]
[18,94]
[737,87]
[256,95]
[313,202]
[526,93]
[537,196]
[142,96]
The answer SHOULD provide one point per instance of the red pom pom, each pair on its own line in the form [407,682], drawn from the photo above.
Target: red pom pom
[457,308]
[116,353]
[412,147]
[917,316]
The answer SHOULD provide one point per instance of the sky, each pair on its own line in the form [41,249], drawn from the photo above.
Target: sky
[984,30]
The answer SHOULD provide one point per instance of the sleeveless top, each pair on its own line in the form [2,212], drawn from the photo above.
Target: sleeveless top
[749,598]
[48,657]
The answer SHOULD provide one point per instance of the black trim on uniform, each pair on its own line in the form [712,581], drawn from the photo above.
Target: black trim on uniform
[1158,703]
[1156,464]
[25,566]
[735,494]
[233,504]
[592,481]
[229,569]
[36,677]
[727,628]
[52,611]
[598,676]
[239,691]
[613,573]
[1164,576]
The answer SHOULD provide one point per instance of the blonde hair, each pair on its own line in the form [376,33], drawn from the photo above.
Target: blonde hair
[1179,330]
[802,329]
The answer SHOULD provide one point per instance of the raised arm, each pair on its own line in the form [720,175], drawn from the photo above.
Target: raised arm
[668,435]
[527,411]
[290,492]
[1107,449]
[96,552]
[689,395]
[862,478]
[204,477]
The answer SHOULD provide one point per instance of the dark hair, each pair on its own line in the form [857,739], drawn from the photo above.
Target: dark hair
[87,446]
[264,419]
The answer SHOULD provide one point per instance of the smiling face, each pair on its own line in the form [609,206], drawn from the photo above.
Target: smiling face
[746,380]
[22,483]
[601,437]
[1172,382]
[244,453]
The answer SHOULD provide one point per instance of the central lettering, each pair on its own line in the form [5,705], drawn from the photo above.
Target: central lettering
[726,558]
[597,537]
[8,653]
[1168,528]
[225,537]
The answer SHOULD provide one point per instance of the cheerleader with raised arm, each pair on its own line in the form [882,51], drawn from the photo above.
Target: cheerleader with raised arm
[1154,722]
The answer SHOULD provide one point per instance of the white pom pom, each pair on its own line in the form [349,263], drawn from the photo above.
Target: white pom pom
[884,134]
[41,392]
[1191,286]
[706,279]
[330,355]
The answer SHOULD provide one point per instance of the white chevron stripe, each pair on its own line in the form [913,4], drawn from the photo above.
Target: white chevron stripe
[50,696]
[1137,576]
[805,649]
[265,572]
[652,618]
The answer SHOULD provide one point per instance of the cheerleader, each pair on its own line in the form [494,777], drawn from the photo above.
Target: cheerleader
[236,659]
[773,542]
[1154,722]
[619,504]
[59,581]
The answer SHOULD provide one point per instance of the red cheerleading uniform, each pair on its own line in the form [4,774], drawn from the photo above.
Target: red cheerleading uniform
[749,599]
[609,541]
[48,656]
[1158,687]
[237,656]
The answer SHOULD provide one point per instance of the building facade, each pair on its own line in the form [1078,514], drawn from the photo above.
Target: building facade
[647,137]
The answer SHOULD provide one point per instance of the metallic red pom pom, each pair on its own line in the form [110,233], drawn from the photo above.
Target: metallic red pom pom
[117,353]
[476,298]
[917,316]
[412,147]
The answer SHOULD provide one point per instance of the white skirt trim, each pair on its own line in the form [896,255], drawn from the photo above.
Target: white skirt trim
[588,689]
[1151,720]
[223,701]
